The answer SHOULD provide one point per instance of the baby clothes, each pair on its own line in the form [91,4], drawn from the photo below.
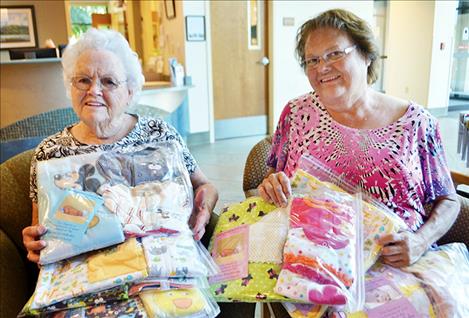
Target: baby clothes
[190,303]
[85,274]
[173,256]
[101,230]
[304,310]
[130,308]
[377,220]
[445,276]
[320,253]
[120,292]
[393,293]
[149,207]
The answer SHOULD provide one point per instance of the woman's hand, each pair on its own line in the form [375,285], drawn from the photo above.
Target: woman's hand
[276,189]
[402,249]
[205,198]
[32,242]
[200,215]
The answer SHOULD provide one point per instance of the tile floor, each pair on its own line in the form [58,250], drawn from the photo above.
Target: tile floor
[223,161]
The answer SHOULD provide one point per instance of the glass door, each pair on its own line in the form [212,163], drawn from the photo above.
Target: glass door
[460,69]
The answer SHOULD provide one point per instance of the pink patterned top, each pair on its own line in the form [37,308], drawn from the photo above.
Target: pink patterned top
[403,164]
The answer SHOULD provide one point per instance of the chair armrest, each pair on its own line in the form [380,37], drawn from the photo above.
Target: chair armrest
[459,231]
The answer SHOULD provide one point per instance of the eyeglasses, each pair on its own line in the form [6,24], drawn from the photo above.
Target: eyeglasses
[84,83]
[329,57]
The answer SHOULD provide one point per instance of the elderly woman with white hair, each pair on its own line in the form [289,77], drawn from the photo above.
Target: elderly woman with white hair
[103,77]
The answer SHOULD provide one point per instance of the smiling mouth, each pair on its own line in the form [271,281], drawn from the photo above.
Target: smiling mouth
[329,79]
[94,104]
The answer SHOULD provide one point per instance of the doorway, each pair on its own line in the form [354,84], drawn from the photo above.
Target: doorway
[459,93]
[240,67]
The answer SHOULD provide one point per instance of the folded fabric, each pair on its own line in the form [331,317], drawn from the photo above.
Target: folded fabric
[116,293]
[102,229]
[393,293]
[259,282]
[376,219]
[173,256]
[304,310]
[151,207]
[84,274]
[309,288]
[131,308]
[156,283]
[320,252]
[179,303]
[149,189]
[445,276]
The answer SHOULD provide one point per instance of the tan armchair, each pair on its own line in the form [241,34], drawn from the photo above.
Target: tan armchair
[255,170]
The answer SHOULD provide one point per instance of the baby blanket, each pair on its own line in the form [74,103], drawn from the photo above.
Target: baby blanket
[84,274]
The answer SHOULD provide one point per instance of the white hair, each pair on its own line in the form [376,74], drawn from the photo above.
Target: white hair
[111,41]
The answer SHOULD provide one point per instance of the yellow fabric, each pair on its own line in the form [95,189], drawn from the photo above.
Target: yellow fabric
[123,259]
[173,303]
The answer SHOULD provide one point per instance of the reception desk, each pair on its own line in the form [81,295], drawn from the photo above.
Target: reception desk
[166,101]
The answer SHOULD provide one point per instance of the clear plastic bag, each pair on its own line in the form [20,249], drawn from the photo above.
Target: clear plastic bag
[151,283]
[117,293]
[177,256]
[323,253]
[304,310]
[130,308]
[444,274]
[146,191]
[392,293]
[187,303]
[89,273]
[377,218]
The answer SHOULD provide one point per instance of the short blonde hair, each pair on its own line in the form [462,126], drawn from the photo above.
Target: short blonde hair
[356,28]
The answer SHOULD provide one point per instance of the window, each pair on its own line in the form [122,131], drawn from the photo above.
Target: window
[81,17]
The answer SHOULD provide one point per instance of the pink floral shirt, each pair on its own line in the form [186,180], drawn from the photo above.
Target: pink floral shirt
[403,164]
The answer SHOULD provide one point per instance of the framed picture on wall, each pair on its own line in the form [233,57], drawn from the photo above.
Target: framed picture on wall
[195,28]
[169,9]
[18,27]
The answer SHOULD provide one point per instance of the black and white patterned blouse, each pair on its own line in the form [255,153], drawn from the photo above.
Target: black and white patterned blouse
[146,131]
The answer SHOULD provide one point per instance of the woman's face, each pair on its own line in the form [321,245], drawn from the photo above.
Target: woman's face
[336,82]
[99,104]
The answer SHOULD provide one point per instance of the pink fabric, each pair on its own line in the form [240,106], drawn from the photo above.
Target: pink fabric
[402,164]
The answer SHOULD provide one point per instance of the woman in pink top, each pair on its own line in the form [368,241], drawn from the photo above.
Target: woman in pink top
[390,147]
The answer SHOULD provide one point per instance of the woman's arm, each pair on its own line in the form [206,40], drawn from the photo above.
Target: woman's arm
[205,198]
[405,248]
[31,235]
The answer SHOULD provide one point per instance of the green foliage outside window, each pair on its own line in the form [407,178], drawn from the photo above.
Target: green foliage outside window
[81,17]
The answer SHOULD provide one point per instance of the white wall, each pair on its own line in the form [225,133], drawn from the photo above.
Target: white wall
[289,80]
[198,65]
[445,19]
[409,48]
[417,69]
